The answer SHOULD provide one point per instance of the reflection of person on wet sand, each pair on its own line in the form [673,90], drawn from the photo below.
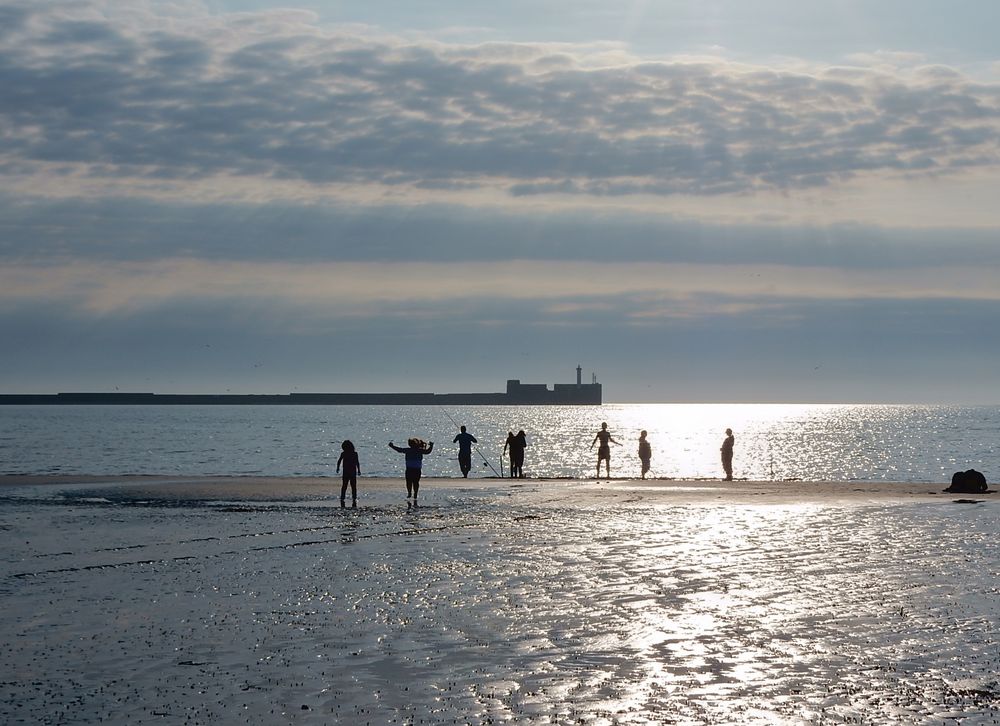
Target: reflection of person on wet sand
[414,451]
[645,453]
[516,445]
[604,450]
[727,454]
[352,467]
[465,441]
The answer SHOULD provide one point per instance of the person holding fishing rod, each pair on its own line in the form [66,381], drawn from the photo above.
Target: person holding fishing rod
[465,462]
[465,440]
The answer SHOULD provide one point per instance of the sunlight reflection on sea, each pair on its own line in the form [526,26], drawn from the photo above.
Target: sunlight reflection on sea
[773,441]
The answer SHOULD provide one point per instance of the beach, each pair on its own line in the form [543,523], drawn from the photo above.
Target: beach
[159,599]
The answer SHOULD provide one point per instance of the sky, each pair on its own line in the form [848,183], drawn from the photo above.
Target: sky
[697,201]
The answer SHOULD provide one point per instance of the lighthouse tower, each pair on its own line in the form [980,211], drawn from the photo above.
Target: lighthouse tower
[579,375]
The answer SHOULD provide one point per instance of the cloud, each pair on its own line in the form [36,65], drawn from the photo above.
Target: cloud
[101,97]
[555,290]
[122,229]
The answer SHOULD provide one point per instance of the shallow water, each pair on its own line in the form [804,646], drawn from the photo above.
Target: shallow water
[773,442]
[541,604]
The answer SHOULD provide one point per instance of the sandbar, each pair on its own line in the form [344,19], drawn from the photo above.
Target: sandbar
[270,488]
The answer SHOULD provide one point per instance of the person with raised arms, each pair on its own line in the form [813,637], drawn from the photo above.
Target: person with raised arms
[414,452]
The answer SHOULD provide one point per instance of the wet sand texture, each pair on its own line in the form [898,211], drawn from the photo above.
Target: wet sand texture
[545,602]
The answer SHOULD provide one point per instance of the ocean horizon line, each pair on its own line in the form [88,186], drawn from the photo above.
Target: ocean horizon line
[7,396]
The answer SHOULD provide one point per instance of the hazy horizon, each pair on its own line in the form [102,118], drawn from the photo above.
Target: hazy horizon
[783,203]
[494,388]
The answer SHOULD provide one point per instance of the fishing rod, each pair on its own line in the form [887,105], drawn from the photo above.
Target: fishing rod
[477,448]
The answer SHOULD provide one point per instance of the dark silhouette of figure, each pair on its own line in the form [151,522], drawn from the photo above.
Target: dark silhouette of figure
[645,452]
[522,444]
[971,481]
[506,449]
[516,444]
[604,450]
[465,441]
[414,451]
[727,454]
[352,467]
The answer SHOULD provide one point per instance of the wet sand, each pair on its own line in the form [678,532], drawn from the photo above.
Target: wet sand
[260,600]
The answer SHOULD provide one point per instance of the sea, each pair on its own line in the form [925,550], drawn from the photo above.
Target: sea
[564,603]
[777,442]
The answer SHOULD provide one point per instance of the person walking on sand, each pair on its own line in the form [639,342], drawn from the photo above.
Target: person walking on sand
[604,450]
[727,454]
[352,467]
[516,444]
[465,441]
[645,453]
[414,451]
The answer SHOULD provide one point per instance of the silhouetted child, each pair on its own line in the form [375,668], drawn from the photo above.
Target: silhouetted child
[414,452]
[645,453]
[352,467]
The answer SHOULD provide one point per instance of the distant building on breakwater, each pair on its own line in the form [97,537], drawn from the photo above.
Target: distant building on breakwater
[517,394]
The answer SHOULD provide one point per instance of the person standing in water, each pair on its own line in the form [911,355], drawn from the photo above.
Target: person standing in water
[507,448]
[516,445]
[352,467]
[727,454]
[522,443]
[645,453]
[414,451]
[465,441]
[604,450]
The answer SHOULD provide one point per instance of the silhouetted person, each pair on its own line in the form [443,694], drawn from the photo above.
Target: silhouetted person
[352,467]
[522,444]
[414,451]
[516,444]
[645,453]
[727,454]
[507,449]
[465,442]
[604,450]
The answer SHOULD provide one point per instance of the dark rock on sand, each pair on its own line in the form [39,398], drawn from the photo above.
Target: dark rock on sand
[971,481]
